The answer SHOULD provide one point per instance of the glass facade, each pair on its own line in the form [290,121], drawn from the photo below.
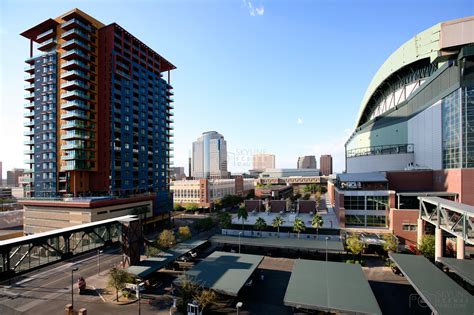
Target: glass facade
[354,202]
[377,202]
[458,129]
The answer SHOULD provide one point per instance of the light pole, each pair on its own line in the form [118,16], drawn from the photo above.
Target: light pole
[139,284]
[239,305]
[98,261]
[327,238]
[72,286]
[240,233]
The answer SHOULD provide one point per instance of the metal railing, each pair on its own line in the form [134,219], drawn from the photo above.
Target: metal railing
[382,150]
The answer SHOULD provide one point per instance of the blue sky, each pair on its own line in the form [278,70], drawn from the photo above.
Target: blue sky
[282,77]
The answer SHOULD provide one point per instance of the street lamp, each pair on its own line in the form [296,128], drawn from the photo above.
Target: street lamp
[240,233]
[72,286]
[327,238]
[139,284]
[239,305]
[98,261]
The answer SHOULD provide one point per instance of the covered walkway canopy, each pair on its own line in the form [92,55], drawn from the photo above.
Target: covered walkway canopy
[463,267]
[150,265]
[225,273]
[439,291]
[330,287]
[273,242]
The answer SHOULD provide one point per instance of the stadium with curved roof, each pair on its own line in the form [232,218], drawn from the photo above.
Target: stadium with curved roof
[418,110]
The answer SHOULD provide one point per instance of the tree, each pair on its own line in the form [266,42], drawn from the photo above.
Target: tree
[151,251]
[316,222]
[306,196]
[224,219]
[277,222]
[118,278]
[178,207]
[187,291]
[289,204]
[184,233]
[205,298]
[311,188]
[354,244]
[391,243]
[299,226]
[203,224]
[427,246]
[230,201]
[166,239]
[318,199]
[260,224]
[191,207]
[242,214]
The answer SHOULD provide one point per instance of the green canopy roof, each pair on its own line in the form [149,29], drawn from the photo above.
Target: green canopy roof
[463,267]
[273,242]
[439,291]
[331,287]
[223,272]
[152,264]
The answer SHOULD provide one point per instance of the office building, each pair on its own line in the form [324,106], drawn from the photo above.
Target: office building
[210,156]
[308,161]
[98,111]
[13,177]
[1,173]
[178,173]
[325,164]
[263,161]
[205,192]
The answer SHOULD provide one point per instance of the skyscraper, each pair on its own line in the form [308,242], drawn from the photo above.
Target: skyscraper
[325,164]
[308,161]
[210,156]
[98,111]
[263,161]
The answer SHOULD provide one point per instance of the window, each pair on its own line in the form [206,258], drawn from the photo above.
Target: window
[377,202]
[375,220]
[354,202]
[409,227]
[355,220]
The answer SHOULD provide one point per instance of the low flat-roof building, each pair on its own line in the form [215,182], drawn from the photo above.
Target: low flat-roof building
[42,215]
[288,172]
[273,192]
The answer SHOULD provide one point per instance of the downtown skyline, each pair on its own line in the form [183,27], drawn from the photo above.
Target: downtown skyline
[289,80]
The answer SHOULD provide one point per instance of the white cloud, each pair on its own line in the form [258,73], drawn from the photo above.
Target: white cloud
[299,121]
[254,11]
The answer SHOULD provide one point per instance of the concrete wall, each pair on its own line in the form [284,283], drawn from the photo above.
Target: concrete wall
[11,218]
[253,205]
[383,162]
[278,205]
[307,206]
[410,181]
[424,131]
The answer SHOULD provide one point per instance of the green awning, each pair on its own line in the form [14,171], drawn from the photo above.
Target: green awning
[225,273]
[283,242]
[152,264]
[463,267]
[330,287]
[442,294]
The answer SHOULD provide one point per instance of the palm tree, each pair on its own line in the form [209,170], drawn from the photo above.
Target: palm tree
[277,222]
[260,224]
[298,226]
[316,222]
[242,214]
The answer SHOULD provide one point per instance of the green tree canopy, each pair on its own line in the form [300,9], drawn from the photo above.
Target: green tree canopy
[224,219]
[354,244]
[277,222]
[230,201]
[166,239]
[299,226]
[242,214]
[391,243]
[427,246]
[118,278]
[260,224]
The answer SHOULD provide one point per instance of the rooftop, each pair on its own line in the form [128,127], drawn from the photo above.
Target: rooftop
[225,273]
[330,287]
